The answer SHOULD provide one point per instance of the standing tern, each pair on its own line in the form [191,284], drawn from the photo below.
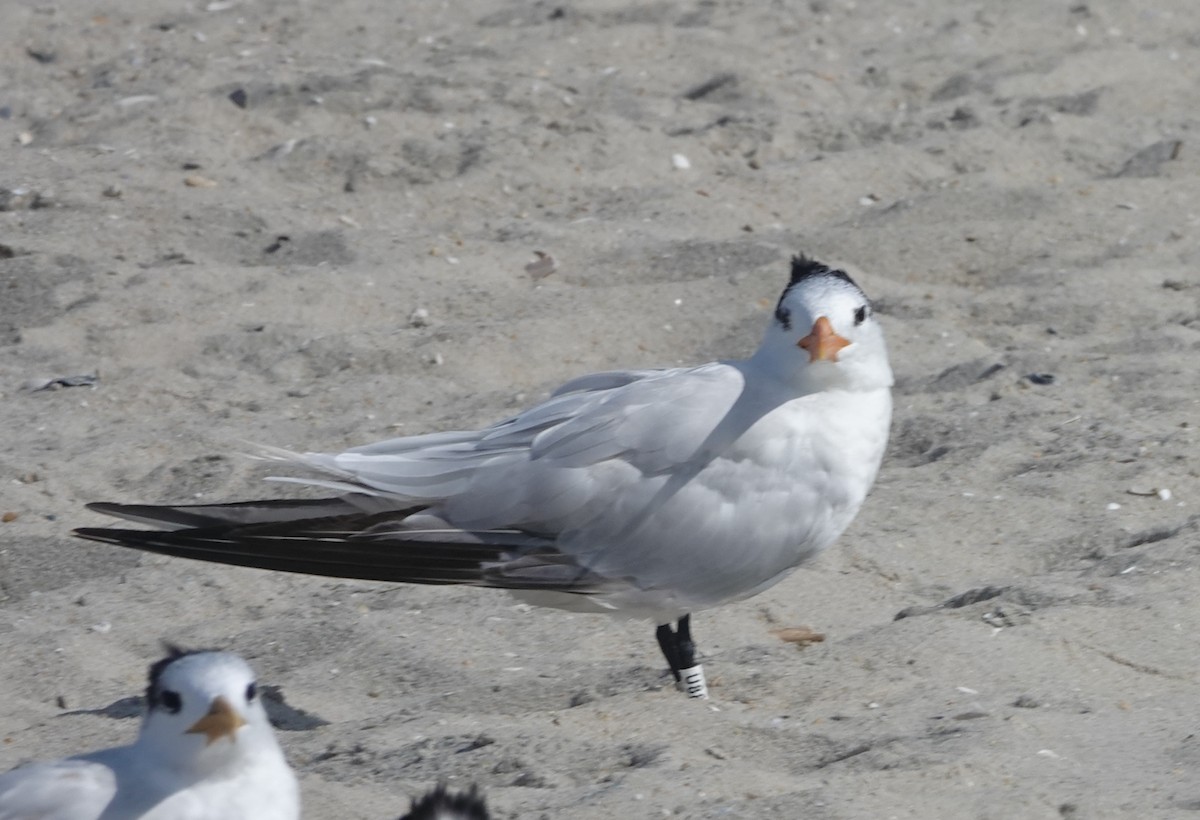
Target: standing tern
[205,750]
[646,493]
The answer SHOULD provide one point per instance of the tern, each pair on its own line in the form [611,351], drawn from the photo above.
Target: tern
[646,494]
[205,750]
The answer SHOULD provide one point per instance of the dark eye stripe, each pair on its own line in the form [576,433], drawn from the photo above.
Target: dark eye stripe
[251,692]
[860,315]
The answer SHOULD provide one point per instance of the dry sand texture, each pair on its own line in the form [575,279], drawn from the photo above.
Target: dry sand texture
[306,224]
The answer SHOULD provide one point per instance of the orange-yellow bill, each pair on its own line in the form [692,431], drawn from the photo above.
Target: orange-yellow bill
[221,721]
[822,343]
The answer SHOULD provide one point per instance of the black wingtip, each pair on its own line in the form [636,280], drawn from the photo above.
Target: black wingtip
[101,534]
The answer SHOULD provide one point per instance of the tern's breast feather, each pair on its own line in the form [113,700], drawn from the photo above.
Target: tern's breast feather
[777,495]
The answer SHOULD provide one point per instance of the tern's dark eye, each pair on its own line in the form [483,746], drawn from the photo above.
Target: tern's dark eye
[861,315]
[251,692]
[170,701]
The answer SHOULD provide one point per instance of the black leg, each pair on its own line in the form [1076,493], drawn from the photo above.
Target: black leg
[670,649]
[686,646]
[680,651]
[677,646]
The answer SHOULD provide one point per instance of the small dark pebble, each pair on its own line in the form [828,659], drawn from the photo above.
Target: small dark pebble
[5,112]
[709,86]
[191,166]
[1026,702]
[1041,378]
[43,57]
[991,371]
[276,245]
[238,97]
[963,117]
[580,698]
[478,743]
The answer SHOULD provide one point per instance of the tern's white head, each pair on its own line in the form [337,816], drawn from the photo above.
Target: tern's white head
[824,334]
[441,804]
[203,711]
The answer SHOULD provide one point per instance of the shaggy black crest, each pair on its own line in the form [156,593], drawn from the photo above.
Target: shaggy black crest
[804,268]
[174,653]
[439,803]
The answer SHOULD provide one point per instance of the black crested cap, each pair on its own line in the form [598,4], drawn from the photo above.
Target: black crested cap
[804,268]
[468,805]
[174,653]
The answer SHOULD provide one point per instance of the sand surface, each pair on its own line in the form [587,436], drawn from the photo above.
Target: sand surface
[307,225]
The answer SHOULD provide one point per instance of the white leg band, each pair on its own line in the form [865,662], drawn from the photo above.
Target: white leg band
[693,683]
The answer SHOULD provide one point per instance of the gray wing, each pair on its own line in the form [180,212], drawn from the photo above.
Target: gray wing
[495,507]
[651,421]
[64,790]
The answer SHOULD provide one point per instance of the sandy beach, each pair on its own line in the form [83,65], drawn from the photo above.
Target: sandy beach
[317,225]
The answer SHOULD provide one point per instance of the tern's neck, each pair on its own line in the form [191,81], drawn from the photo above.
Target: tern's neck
[779,364]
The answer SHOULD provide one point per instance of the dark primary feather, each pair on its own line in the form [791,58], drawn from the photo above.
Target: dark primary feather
[237,512]
[367,546]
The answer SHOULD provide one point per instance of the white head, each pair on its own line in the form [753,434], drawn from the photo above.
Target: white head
[824,334]
[441,804]
[203,712]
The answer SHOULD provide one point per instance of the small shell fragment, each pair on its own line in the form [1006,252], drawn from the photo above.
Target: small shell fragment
[197,181]
[543,266]
[680,162]
[801,636]
[1162,493]
[85,380]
